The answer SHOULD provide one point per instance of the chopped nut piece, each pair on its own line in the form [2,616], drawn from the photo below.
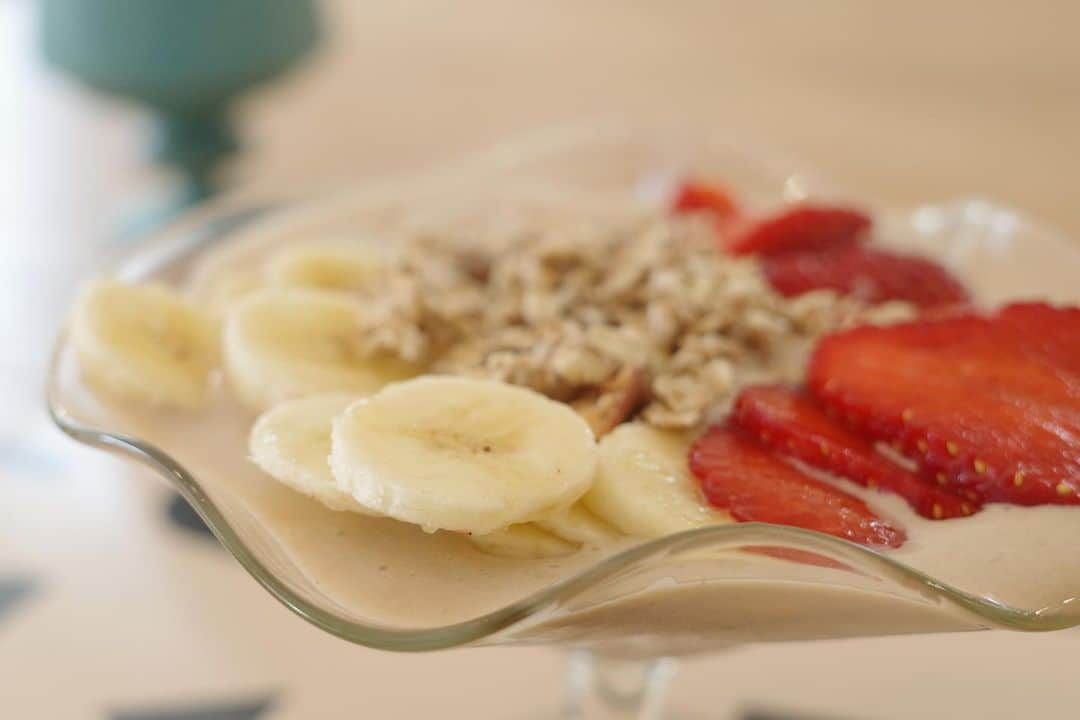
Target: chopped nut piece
[608,405]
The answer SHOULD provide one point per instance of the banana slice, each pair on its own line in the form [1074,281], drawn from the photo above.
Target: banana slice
[560,533]
[287,343]
[643,486]
[525,540]
[579,526]
[144,343]
[326,266]
[291,443]
[462,454]
[217,292]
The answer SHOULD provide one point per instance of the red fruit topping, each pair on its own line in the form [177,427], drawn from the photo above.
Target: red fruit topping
[789,422]
[807,227]
[867,273]
[738,474]
[991,405]
[694,196]
[1047,332]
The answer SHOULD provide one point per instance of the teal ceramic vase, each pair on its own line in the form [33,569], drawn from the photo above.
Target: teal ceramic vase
[187,60]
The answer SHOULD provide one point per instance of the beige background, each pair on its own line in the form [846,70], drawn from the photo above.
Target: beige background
[905,101]
[902,101]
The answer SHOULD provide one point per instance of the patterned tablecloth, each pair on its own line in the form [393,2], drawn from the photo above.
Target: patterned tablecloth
[113,607]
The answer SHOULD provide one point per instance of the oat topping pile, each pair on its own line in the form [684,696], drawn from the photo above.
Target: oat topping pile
[639,316]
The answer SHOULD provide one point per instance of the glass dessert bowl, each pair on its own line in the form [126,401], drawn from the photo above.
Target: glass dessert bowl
[637,600]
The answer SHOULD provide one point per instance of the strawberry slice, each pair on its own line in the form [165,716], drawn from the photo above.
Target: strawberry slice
[1047,332]
[991,405]
[696,196]
[870,274]
[789,422]
[752,484]
[804,228]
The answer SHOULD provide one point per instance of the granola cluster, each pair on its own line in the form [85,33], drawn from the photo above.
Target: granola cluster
[619,317]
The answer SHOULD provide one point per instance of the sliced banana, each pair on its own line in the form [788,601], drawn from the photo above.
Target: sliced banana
[219,291]
[144,343]
[291,443]
[462,454]
[579,526]
[326,266]
[525,540]
[281,344]
[643,485]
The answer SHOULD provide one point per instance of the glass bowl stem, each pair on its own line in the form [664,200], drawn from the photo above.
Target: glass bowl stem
[599,686]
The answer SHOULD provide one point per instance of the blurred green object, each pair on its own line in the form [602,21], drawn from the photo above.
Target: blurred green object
[185,59]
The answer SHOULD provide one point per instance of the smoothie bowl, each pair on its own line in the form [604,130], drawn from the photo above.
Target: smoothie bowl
[635,390]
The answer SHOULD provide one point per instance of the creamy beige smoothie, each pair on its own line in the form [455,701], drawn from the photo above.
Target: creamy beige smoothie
[394,574]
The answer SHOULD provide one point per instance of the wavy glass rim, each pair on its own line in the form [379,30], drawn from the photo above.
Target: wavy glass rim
[212,223]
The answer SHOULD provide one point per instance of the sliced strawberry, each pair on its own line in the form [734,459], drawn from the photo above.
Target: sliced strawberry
[805,228]
[1047,331]
[989,404]
[789,422]
[867,273]
[696,196]
[753,484]
[1030,349]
